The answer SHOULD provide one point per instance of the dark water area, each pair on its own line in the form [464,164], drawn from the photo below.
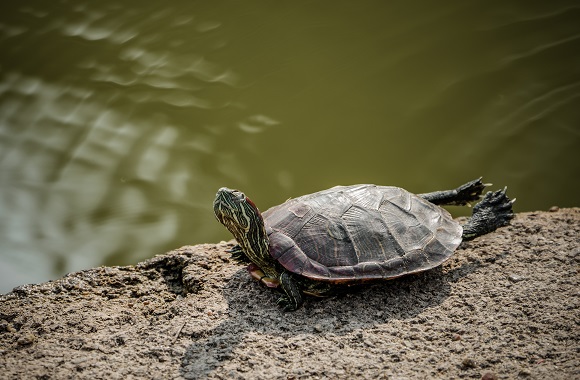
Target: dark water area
[119,121]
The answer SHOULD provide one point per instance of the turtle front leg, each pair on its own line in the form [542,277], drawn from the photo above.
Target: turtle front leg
[238,255]
[292,299]
[463,195]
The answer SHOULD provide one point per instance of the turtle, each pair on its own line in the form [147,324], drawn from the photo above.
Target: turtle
[352,235]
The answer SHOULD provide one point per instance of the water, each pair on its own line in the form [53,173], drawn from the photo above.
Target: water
[119,121]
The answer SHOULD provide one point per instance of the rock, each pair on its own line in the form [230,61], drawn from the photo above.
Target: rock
[191,313]
[489,376]
[26,339]
[468,363]
[515,278]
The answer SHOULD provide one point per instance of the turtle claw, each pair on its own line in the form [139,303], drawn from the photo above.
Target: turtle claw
[494,211]
[497,204]
[461,196]
[238,255]
[469,192]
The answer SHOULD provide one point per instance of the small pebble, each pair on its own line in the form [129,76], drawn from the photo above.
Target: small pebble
[524,372]
[26,340]
[515,278]
[489,376]
[554,209]
[469,363]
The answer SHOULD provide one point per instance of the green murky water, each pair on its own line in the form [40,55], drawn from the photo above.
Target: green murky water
[120,120]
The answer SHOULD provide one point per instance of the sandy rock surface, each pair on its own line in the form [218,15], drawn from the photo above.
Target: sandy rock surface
[504,306]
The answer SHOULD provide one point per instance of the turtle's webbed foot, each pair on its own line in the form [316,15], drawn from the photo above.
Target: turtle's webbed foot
[498,205]
[469,192]
[238,255]
[286,304]
[494,211]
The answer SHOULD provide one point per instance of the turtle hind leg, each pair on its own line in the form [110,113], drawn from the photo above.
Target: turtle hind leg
[494,211]
[463,195]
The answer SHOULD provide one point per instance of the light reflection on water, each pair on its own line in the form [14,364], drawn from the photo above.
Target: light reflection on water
[118,123]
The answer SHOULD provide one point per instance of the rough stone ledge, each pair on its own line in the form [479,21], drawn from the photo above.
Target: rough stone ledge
[504,306]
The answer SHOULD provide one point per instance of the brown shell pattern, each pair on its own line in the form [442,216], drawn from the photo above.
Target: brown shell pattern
[359,233]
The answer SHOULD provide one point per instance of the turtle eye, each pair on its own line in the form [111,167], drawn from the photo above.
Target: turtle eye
[239,195]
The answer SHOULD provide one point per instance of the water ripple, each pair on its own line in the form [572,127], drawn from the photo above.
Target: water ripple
[184,99]
[539,49]
[9,31]
[257,124]
[519,17]
[155,158]
[552,100]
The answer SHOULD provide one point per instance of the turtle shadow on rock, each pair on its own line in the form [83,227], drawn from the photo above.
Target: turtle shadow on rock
[252,310]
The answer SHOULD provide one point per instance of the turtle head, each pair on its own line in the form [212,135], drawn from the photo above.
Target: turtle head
[243,219]
[236,211]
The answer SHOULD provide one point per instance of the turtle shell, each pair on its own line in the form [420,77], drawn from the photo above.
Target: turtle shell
[352,234]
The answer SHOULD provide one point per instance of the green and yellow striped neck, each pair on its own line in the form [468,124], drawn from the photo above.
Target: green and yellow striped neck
[243,219]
